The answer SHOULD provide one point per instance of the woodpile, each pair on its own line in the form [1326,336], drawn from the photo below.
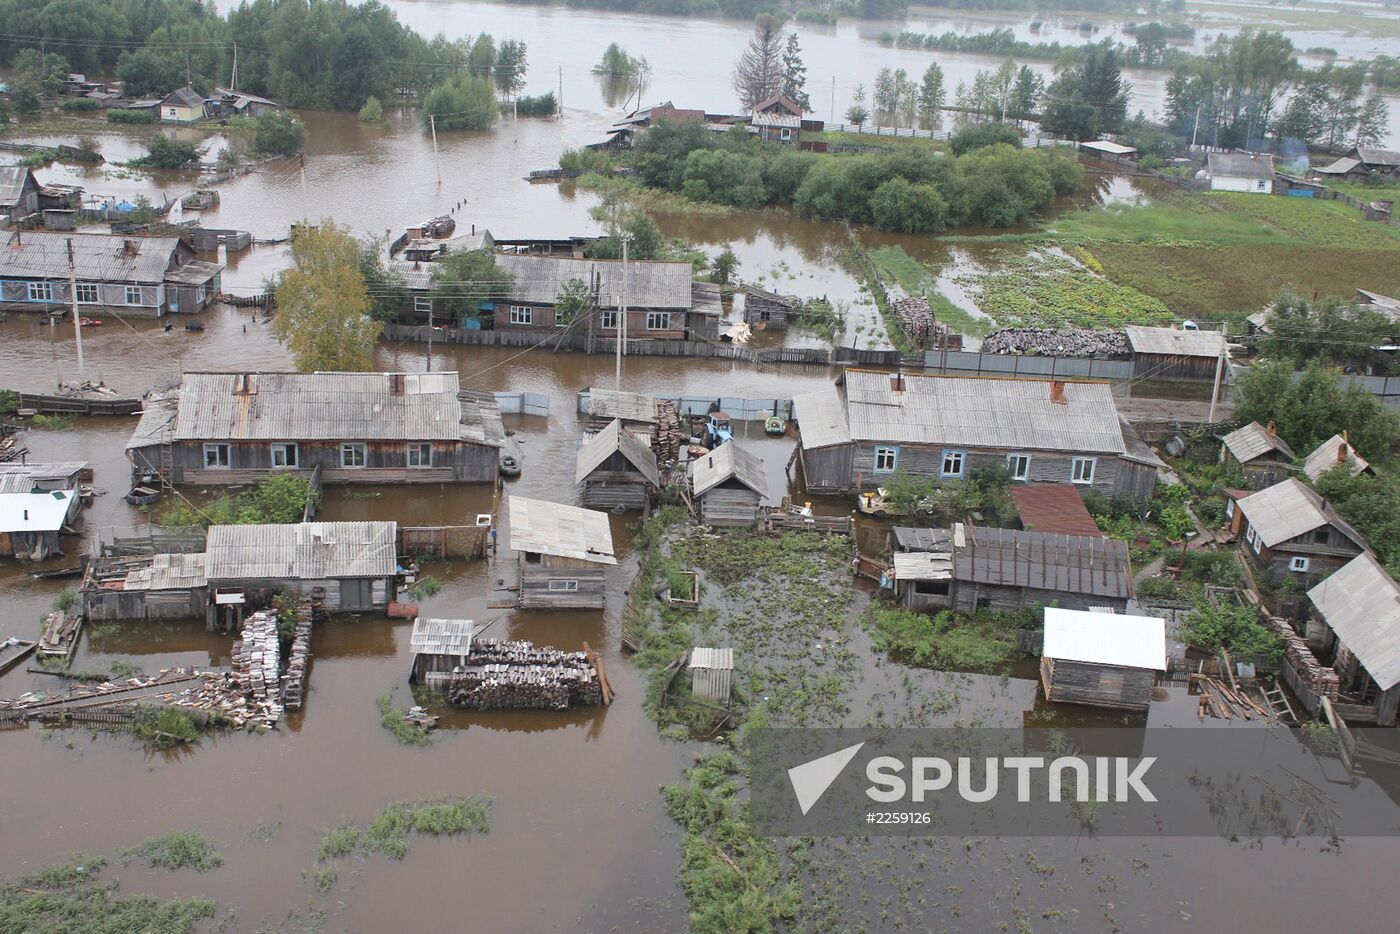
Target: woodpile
[517,675]
[667,439]
[1320,678]
[294,681]
[1057,342]
[9,444]
[916,319]
[257,661]
[60,636]
[1221,700]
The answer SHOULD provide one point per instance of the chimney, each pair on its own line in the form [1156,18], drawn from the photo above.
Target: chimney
[242,384]
[1272,429]
[396,384]
[1057,392]
[131,247]
[26,515]
[897,382]
[1342,453]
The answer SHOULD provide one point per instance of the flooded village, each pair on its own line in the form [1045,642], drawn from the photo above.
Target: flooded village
[635,462]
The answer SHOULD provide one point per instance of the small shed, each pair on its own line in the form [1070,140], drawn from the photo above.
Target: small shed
[766,309]
[1360,607]
[1102,659]
[728,486]
[1008,569]
[616,469]
[30,523]
[439,646]
[1262,455]
[1170,354]
[564,553]
[1108,150]
[1251,172]
[1053,507]
[42,478]
[711,673]
[166,586]
[1335,452]
[914,538]
[637,411]
[923,580]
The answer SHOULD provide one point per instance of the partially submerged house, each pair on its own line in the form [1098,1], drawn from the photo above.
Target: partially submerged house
[728,486]
[41,478]
[1102,659]
[854,436]
[1251,172]
[146,277]
[564,553]
[355,427]
[1053,507]
[1358,608]
[1289,531]
[439,647]
[182,105]
[1169,353]
[767,310]
[616,469]
[1261,454]
[30,522]
[1007,569]
[225,103]
[1335,452]
[163,586]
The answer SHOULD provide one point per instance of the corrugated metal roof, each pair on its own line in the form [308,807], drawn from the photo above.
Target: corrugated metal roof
[481,417]
[34,512]
[1372,156]
[923,566]
[195,272]
[613,439]
[720,659]
[1253,441]
[537,525]
[1015,414]
[20,478]
[725,462]
[1077,564]
[171,572]
[706,299]
[1103,639]
[184,97]
[1288,509]
[917,539]
[1171,342]
[1361,603]
[33,254]
[1335,450]
[12,179]
[614,403]
[650,284]
[1136,449]
[302,551]
[790,121]
[821,418]
[1053,507]
[441,636]
[1240,165]
[157,415]
[1108,146]
[1340,167]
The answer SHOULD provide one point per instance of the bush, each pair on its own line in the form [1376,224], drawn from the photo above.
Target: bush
[124,115]
[372,111]
[544,105]
[979,642]
[177,850]
[279,133]
[79,104]
[983,134]
[1234,628]
[462,102]
[164,153]
[584,161]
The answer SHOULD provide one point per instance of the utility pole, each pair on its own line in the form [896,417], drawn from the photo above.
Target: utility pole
[305,203]
[621,334]
[233,80]
[73,303]
[437,162]
[833,98]
[188,82]
[1195,126]
[561,92]
[1219,371]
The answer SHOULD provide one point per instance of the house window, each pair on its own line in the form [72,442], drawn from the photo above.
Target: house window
[1082,470]
[563,586]
[284,455]
[423,304]
[352,455]
[216,455]
[1019,466]
[522,314]
[953,463]
[1252,537]
[133,294]
[607,320]
[87,294]
[1321,536]
[785,135]
[658,321]
[1298,564]
[41,291]
[420,455]
[886,459]
[1261,184]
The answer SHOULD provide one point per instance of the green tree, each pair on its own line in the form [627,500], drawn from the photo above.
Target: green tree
[481,60]
[857,112]
[932,95]
[571,301]
[982,134]
[1329,331]
[886,100]
[616,63]
[165,153]
[1311,406]
[1088,99]
[511,65]
[150,72]
[1372,121]
[462,281]
[45,72]
[1025,94]
[795,74]
[906,208]
[373,111]
[722,269]
[279,133]
[462,102]
[323,305]
[388,292]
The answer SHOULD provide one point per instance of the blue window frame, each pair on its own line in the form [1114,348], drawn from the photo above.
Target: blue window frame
[954,464]
[886,459]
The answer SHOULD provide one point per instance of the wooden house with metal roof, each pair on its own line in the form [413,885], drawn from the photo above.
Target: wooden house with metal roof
[1174,354]
[1290,532]
[1363,162]
[1358,609]
[1102,659]
[1261,454]
[19,193]
[41,478]
[1333,453]
[1249,172]
[564,553]
[439,646]
[853,436]
[728,486]
[1007,569]
[31,522]
[159,586]
[222,428]
[616,469]
[182,105]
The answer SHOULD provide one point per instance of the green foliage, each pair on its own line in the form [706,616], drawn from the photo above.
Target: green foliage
[53,422]
[983,134]
[164,726]
[1311,406]
[152,73]
[1043,290]
[1219,568]
[586,160]
[123,115]
[372,111]
[1329,331]
[721,270]
[72,897]
[279,133]
[9,401]
[982,641]
[463,280]
[542,105]
[391,718]
[462,102]
[79,104]
[1090,98]
[616,63]
[389,294]
[340,840]
[448,817]
[1234,628]
[165,153]
[425,586]
[1372,506]
[280,497]
[66,599]
[179,849]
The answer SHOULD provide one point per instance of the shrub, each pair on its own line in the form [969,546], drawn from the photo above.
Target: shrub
[279,133]
[79,104]
[372,111]
[165,153]
[462,102]
[544,105]
[177,850]
[1235,628]
[982,134]
[124,115]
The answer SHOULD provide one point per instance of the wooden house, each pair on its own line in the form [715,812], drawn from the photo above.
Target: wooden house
[145,277]
[161,586]
[182,105]
[31,522]
[1169,353]
[854,436]
[777,119]
[1241,171]
[712,673]
[767,310]
[1261,454]
[1102,659]
[923,580]
[19,193]
[564,554]
[1363,162]
[1335,452]
[227,103]
[616,469]
[728,486]
[439,646]
[1357,610]
[1289,531]
[222,428]
[1007,569]
[1053,507]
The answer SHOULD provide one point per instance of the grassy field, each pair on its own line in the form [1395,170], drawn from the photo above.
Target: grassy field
[1040,290]
[1387,192]
[895,265]
[875,142]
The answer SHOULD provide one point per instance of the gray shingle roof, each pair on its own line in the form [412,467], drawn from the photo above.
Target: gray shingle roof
[614,403]
[537,525]
[1387,157]
[1170,341]
[1361,604]
[1078,564]
[33,254]
[983,413]
[1288,509]
[540,279]
[1253,441]
[1240,165]
[611,440]
[185,97]
[302,551]
[441,636]
[725,462]
[1324,458]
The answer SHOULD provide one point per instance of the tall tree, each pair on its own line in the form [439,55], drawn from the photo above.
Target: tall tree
[758,74]
[795,74]
[1372,121]
[1089,98]
[885,100]
[1026,94]
[322,303]
[481,60]
[510,68]
[857,112]
[461,281]
[932,94]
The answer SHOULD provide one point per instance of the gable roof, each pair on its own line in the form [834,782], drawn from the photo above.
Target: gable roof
[916,538]
[1339,167]
[922,565]
[1053,507]
[723,463]
[1253,441]
[650,283]
[302,551]
[1172,342]
[13,180]
[614,440]
[1370,156]
[776,119]
[1288,509]
[537,525]
[1240,165]
[1361,604]
[1105,639]
[821,418]
[1335,450]
[779,100]
[183,97]
[34,254]
[181,571]
[1077,564]
[22,478]
[441,636]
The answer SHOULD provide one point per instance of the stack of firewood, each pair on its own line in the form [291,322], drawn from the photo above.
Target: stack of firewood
[667,439]
[257,660]
[1321,679]
[916,319]
[294,681]
[518,675]
[1057,342]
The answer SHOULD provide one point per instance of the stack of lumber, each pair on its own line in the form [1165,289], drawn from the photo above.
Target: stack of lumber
[667,439]
[517,675]
[294,681]
[60,636]
[9,446]
[1057,342]
[916,319]
[257,661]
[1228,701]
[1321,679]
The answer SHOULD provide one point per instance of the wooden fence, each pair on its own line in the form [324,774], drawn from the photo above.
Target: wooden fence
[71,405]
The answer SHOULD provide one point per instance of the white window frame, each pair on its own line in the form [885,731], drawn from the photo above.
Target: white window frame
[1078,473]
[607,320]
[960,458]
[1261,184]
[418,448]
[40,291]
[423,304]
[283,448]
[348,447]
[522,314]
[888,453]
[89,293]
[563,586]
[1254,541]
[1298,564]
[1023,461]
[128,291]
[222,452]
[785,134]
[658,321]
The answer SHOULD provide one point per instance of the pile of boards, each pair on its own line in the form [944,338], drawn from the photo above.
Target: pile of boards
[1321,679]
[518,675]
[1057,342]
[60,636]
[1222,700]
[9,445]
[666,440]
[294,680]
[916,319]
[257,662]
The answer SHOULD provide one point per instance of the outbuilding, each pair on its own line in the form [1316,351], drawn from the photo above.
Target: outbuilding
[163,586]
[1172,354]
[1335,452]
[564,554]
[616,469]
[439,646]
[1261,454]
[1008,569]
[712,673]
[1251,172]
[30,522]
[1102,659]
[1358,608]
[728,486]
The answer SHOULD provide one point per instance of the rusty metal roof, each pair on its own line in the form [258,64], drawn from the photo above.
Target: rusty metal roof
[1053,507]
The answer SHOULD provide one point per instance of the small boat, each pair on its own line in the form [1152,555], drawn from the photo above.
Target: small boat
[774,425]
[510,465]
[145,491]
[12,650]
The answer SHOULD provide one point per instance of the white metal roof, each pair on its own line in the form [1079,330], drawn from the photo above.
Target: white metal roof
[722,659]
[1108,146]
[1361,603]
[1254,440]
[821,418]
[726,461]
[613,439]
[441,636]
[923,565]
[34,512]
[1287,510]
[1335,450]
[1171,342]
[302,551]
[1103,639]
[537,525]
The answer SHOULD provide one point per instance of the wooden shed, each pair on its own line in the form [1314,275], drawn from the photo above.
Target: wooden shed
[1102,659]
[1261,454]
[767,310]
[1335,452]
[564,554]
[728,486]
[1009,569]
[1359,610]
[924,579]
[161,586]
[616,469]
[712,673]
[439,646]
[1171,354]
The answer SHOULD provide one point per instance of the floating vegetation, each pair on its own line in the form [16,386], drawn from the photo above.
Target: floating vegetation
[179,849]
[72,898]
[392,719]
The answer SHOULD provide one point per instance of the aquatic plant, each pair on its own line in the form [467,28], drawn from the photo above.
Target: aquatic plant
[178,849]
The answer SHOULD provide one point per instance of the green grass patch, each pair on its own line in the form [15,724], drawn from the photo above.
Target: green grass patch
[54,422]
[340,840]
[870,141]
[1389,191]
[392,719]
[72,897]
[278,498]
[1046,291]
[425,586]
[634,192]
[449,817]
[1308,220]
[164,726]
[893,263]
[179,849]
[982,641]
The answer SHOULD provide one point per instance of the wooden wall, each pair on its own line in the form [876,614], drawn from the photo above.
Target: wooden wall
[827,470]
[27,545]
[966,595]
[385,462]
[536,575]
[1073,682]
[100,604]
[728,506]
[1112,474]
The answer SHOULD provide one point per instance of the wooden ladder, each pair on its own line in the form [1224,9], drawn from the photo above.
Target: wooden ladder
[1279,705]
[167,458]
